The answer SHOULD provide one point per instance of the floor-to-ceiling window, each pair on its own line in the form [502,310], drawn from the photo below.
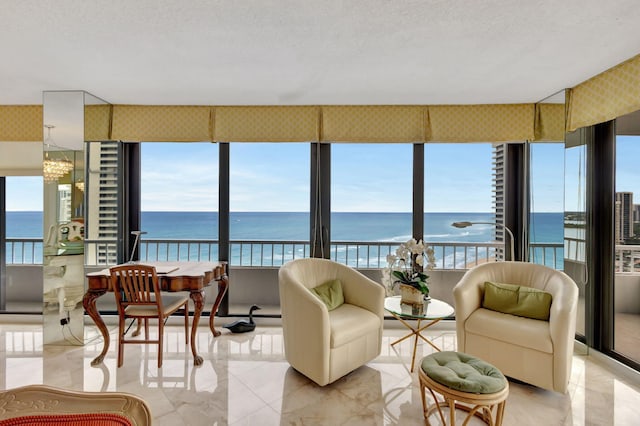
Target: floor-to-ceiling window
[23,250]
[371,201]
[575,219]
[626,289]
[459,187]
[179,201]
[546,206]
[269,203]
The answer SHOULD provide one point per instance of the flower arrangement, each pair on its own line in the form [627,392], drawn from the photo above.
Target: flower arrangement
[407,266]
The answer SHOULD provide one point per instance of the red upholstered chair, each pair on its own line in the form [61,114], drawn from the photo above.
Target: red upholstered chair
[40,404]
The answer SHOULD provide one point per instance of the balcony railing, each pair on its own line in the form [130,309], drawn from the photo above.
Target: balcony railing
[548,254]
[273,253]
[627,259]
[25,251]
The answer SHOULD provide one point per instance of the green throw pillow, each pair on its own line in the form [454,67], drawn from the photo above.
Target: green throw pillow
[330,293]
[516,300]
[500,297]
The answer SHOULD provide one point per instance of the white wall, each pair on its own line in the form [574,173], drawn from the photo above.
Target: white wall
[24,283]
[627,294]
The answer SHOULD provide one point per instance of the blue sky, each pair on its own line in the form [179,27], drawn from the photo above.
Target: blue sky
[365,177]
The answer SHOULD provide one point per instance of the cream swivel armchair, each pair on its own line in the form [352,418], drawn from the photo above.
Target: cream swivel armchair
[534,351]
[325,345]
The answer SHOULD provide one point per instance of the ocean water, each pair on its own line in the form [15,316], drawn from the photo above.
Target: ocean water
[347,228]
[545,227]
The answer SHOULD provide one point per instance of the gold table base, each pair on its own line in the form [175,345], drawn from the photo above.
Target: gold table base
[417,333]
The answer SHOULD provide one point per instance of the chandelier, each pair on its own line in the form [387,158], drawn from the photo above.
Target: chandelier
[54,168]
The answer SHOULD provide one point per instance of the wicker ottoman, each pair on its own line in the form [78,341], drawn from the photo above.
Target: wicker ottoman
[465,383]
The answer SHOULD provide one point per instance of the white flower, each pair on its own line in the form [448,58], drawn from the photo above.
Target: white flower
[407,265]
[402,251]
[431,258]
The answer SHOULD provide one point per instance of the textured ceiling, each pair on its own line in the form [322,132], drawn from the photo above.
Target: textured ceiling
[287,52]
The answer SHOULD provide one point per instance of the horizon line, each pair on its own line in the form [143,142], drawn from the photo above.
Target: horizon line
[296,211]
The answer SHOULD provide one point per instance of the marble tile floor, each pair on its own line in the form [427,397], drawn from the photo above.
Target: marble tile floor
[245,380]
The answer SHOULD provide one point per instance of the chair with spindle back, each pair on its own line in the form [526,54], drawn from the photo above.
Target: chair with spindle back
[138,296]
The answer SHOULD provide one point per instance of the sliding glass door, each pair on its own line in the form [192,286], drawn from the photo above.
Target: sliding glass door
[575,218]
[626,311]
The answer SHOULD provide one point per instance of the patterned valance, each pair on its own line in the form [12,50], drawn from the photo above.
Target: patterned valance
[373,123]
[97,122]
[550,122]
[481,123]
[366,123]
[266,124]
[608,95]
[162,123]
[20,123]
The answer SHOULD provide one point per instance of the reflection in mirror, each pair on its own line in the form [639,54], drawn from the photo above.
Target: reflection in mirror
[96,118]
[63,218]
[63,262]
[556,98]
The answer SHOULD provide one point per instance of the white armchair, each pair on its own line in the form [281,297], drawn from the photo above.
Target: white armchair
[326,345]
[533,351]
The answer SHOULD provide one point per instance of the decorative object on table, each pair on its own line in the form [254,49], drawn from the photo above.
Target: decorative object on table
[243,325]
[405,270]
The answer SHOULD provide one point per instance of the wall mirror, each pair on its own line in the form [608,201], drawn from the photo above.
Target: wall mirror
[63,216]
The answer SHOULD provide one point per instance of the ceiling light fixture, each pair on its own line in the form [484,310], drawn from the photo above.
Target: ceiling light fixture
[54,168]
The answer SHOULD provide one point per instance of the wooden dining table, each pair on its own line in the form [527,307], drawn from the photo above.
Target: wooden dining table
[172,276]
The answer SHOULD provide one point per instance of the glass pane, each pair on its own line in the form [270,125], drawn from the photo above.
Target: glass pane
[102,203]
[574,224]
[24,242]
[459,185]
[371,201]
[547,205]
[179,201]
[24,207]
[269,203]
[627,252]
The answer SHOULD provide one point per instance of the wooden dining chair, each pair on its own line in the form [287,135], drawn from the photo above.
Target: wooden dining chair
[138,297]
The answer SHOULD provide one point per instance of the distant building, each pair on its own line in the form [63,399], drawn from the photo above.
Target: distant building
[636,212]
[102,221]
[498,192]
[624,212]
